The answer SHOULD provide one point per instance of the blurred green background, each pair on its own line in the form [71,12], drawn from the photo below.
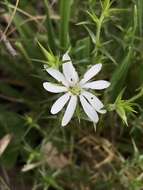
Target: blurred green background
[35,152]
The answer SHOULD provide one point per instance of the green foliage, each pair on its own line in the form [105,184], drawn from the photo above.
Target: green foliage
[122,107]
[65,8]
[52,61]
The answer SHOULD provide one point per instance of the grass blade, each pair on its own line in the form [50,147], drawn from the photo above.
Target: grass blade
[120,74]
[65,9]
[140,15]
[51,36]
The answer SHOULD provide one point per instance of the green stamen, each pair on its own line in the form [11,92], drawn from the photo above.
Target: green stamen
[75,90]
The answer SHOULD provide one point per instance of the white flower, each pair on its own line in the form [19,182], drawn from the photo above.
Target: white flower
[73,88]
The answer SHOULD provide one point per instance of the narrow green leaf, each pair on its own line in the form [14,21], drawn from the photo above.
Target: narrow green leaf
[50,30]
[52,60]
[92,35]
[44,50]
[83,46]
[65,9]
[93,17]
[139,4]
[119,76]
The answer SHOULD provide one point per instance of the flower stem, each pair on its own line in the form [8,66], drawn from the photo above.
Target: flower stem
[99,26]
[140,94]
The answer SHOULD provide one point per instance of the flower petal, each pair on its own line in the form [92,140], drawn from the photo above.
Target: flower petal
[57,75]
[89,110]
[70,110]
[50,87]
[66,58]
[91,73]
[98,85]
[69,70]
[60,103]
[94,101]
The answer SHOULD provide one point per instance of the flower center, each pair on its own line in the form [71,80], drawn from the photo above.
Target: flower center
[75,90]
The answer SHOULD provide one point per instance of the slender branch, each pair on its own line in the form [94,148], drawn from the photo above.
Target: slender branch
[8,45]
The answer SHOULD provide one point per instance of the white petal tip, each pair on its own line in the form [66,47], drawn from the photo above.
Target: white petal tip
[53,112]
[102,111]
[96,120]
[108,84]
[65,54]
[66,57]
[63,124]
[44,85]
[100,65]
[45,66]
